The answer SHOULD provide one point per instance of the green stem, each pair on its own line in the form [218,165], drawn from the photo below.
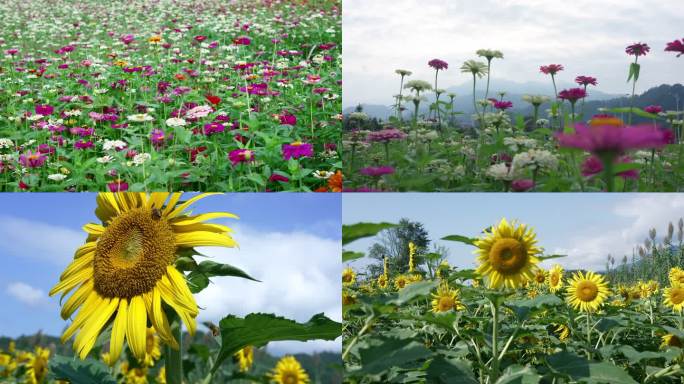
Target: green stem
[366,326]
[608,175]
[474,102]
[173,360]
[588,335]
[631,100]
[494,372]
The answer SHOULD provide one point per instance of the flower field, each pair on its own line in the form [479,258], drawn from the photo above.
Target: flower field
[554,146]
[183,95]
[417,319]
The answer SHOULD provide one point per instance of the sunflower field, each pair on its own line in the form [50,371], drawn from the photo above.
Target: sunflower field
[507,321]
[173,95]
[130,314]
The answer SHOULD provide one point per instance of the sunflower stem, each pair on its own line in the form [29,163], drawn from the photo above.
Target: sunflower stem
[173,359]
[588,334]
[494,371]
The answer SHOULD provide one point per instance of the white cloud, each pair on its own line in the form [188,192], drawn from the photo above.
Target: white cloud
[587,37]
[635,217]
[46,242]
[299,278]
[26,293]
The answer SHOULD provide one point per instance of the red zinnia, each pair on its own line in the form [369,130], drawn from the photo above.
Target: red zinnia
[675,46]
[551,69]
[585,80]
[214,100]
[637,49]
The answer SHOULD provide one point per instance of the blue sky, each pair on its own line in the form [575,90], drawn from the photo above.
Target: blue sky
[588,37]
[289,241]
[586,227]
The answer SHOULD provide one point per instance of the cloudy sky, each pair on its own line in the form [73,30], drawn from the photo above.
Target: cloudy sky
[587,37]
[585,227]
[291,242]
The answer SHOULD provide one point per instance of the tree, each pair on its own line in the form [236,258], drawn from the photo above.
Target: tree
[393,243]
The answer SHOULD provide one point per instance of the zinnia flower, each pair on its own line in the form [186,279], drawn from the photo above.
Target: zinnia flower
[386,135]
[637,49]
[503,105]
[551,69]
[572,94]
[377,171]
[438,64]
[654,109]
[593,166]
[238,156]
[32,159]
[675,46]
[296,150]
[44,110]
[601,139]
[125,275]
[585,80]
[158,137]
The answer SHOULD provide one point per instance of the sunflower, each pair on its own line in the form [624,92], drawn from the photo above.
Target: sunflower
[348,298]
[555,278]
[7,365]
[412,256]
[288,371]
[152,351]
[415,278]
[245,358]
[37,368]
[400,282]
[674,297]
[385,266]
[136,376]
[532,292]
[587,292]
[507,255]
[161,376]
[446,299]
[648,288]
[442,268]
[124,274]
[540,277]
[670,340]
[676,276]
[382,281]
[562,331]
[348,276]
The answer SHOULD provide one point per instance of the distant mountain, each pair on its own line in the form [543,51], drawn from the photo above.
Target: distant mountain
[670,97]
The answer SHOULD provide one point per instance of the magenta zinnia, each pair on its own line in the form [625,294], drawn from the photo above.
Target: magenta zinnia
[438,64]
[297,150]
[572,94]
[602,139]
[238,156]
[386,135]
[637,49]
[551,69]
[32,159]
[675,46]
[585,80]
[377,171]
[503,105]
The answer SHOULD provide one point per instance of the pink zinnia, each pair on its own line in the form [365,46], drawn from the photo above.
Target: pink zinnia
[637,49]
[522,185]
[82,144]
[287,119]
[654,109]
[242,40]
[386,135]
[593,166]
[610,139]
[127,39]
[32,159]
[238,156]
[675,46]
[211,128]
[276,177]
[117,186]
[572,94]
[551,69]
[44,110]
[377,171]
[158,137]
[438,64]
[585,80]
[297,150]
[503,105]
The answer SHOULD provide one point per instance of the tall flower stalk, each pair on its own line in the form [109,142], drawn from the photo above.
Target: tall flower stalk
[536,101]
[476,69]
[553,69]
[403,73]
[636,50]
[438,65]
[489,54]
[585,81]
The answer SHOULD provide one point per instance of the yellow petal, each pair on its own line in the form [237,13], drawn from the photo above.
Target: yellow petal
[75,279]
[157,199]
[136,329]
[203,238]
[171,204]
[185,220]
[201,227]
[78,298]
[179,209]
[93,229]
[118,332]
[91,304]
[159,320]
[180,285]
[77,265]
[173,297]
[85,249]
[88,335]
[107,206]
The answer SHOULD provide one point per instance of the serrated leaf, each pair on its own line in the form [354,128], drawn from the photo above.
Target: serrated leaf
[450,371]
[460,239]
[88,371]
[199,277]
[516,374]
[258,329]
[581,369]
[390,352]
[413,291]
[349,256]
[360,230]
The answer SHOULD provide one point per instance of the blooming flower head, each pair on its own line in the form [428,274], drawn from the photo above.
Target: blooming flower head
[536,100]
[654,109]
[438,64]
[489,54]
[593,166]
[637,49]
[503,105]
[602,137]
[199,112]
[522,185]
[386,135]
[287,119]
[44,110]
[572,94]
[176,122]
[238,156]
[140,117]
[551,69]
[676,46]
[585,80]
[117,186]
[403,72]
[418,85]
[32,159]
[377,171]
[158,137]
[296,150]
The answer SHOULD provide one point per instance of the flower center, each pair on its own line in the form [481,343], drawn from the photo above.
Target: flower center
[290,378]
[674,341]
[347,278]
[677,295]
[554,279]
[132,254]
[445,304]
[508,256]
[587,291]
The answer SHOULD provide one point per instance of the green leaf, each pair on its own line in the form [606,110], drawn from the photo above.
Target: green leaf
[258,329]
[88,371]
[516,374]
[582,370]
[360,230]
[349,256]
[199,277]
[635,110]
[413,291]
[547,257]
[390,352]
[636,356]
[450,371]
[634,69]
[523,308]
[460,239]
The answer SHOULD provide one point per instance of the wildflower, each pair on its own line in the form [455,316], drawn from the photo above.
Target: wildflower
[377,171]
[348,276]
[140,118]
[675,46]
[297,150]
[32,159]
[127,263]
[555,278]
[438,64]
[551,69]
[446,299]
[238,156]
[507,254]
[637,49]
[245,358]
[289,371]
[176,122]
[586,292]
